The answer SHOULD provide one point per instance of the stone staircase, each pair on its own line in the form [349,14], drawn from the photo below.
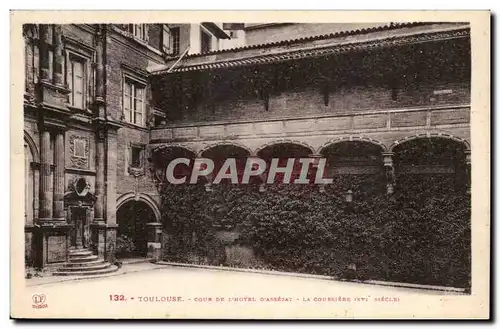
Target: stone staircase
[84,262]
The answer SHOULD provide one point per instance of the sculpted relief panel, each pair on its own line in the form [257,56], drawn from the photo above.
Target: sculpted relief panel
[79,152]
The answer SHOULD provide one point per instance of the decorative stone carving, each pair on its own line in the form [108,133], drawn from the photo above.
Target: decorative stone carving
[81,187]
[77,159]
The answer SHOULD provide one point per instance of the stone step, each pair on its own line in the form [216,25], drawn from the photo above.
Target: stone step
[80,259]
[77,249]
[110,269]
[80,253]
[83,264]
[87,268]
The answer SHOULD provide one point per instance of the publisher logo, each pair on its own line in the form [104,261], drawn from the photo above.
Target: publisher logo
[39,301]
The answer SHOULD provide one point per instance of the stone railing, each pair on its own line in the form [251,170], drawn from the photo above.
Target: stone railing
[367,121]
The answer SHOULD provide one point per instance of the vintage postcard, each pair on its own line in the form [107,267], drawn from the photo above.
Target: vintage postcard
[250,165]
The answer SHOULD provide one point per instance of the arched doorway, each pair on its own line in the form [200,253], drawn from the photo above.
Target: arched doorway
[132,217]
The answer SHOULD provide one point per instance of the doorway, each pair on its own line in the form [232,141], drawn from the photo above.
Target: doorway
[132,240]
[80,230]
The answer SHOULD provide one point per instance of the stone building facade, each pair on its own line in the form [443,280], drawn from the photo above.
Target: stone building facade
[106,105]
[87,120]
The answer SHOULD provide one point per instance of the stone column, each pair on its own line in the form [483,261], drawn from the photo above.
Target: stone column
[59,160]
[389,171]
[45,177]
[44,53]
[58,61]
[111,177]
[98,225]
[99,92]
[313,170]
[154,240]
[468,164]
[101,129]
[99,179]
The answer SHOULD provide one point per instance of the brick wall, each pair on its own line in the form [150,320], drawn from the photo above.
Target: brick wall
[125,182]
[123,53]
[155,37]
[309,102]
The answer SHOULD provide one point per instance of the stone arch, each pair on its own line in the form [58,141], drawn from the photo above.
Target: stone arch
[352,139]
[285,141]
[31,144]
[430,135]
[173,146]
[140,197]
[234,144]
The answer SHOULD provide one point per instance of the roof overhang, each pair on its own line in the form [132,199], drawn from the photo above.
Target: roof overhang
[368,39]
[215,30]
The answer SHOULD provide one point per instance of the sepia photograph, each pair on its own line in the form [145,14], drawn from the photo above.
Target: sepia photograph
[281,168]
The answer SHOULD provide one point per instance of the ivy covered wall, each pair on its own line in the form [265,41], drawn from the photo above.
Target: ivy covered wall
[420,234]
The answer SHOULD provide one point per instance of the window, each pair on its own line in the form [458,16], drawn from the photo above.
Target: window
[135,157]
[79,148]
[138,30]
[176,40]
[133,101]
[167,34]
[171,40]
[206,42]
[76,81]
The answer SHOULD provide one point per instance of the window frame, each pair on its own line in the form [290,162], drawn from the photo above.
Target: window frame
[138,149]
[210,36]
[176,40]
[134,82]
[171,40]
[79,51]
[72,58]
[133,29]
[129,157]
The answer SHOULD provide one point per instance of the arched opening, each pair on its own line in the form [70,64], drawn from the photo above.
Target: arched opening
[220,153]
[285,151]
[433,165]
[431,191]
[164,155]
[132,217]
[356,166]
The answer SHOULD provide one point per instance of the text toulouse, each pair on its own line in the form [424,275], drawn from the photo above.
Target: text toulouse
[253,167]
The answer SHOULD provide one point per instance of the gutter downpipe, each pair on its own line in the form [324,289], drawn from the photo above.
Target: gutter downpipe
[179,59]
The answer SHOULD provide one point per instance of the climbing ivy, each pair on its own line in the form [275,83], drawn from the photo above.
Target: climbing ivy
[420,234]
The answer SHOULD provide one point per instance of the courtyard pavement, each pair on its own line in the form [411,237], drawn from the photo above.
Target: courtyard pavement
[146,290]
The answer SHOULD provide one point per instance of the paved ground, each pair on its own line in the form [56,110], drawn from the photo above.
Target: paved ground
[171,292]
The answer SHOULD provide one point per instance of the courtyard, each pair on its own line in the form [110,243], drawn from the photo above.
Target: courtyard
[161,291]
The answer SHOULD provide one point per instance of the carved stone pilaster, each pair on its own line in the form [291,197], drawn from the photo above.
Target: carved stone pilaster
[44,53]
[58,60]
[100,73]
[45,177]
[59,161]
